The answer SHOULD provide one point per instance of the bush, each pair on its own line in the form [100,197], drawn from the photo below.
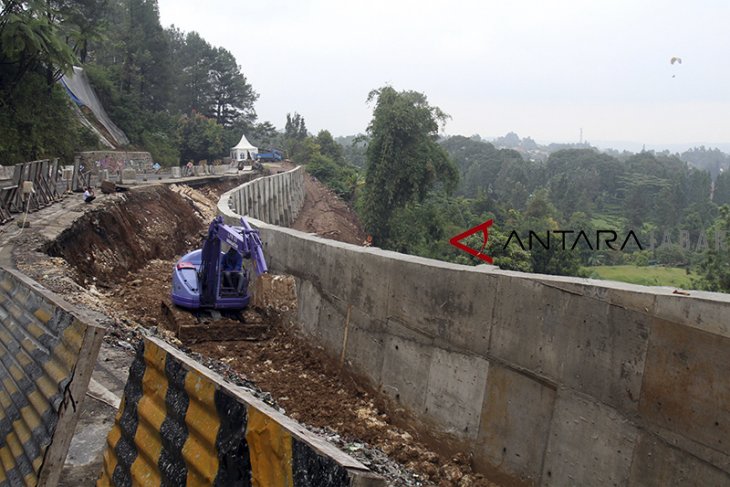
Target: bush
[340,178]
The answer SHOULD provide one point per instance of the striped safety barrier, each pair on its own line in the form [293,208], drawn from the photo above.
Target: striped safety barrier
[180,423]
[47,355]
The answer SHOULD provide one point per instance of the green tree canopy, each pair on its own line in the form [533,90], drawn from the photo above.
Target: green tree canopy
[404,159]
[200,138]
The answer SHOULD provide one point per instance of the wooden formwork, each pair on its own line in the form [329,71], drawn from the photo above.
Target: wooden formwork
[43,175]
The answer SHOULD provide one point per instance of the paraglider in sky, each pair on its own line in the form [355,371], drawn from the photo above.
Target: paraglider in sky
[675,60]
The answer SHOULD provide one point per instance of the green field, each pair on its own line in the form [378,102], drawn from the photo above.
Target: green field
[648,276]
[607,222]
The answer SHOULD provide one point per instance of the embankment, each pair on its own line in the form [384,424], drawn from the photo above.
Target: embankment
[544,380]
[47,354]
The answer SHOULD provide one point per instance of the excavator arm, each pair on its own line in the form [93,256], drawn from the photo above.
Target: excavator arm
[245,240]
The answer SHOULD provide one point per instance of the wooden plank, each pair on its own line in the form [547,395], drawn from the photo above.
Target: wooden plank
[225,331]
[56,454]
[15,202]
[53,179]
[34,201]
[40,182]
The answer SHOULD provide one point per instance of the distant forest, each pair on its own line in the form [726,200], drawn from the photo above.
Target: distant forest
[673,204]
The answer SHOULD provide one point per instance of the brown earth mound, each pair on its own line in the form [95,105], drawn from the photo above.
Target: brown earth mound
[327,215]
[124,235]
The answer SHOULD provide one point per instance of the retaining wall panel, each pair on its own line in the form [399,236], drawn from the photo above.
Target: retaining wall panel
[590,445]
[586,344]
[402,376]
[366,350]
[658,464]
[697,313]
[309,303]
[697,363]
[455,392]
[515,424]
[330,327]
[445,304]
[180,423]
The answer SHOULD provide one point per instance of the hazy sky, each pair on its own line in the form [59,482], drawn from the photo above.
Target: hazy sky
[543,69]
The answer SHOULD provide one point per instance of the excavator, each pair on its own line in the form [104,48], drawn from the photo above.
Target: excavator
[209,302]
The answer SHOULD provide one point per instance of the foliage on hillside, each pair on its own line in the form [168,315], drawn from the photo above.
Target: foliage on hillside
[672,208]
[35,120]
[152,81]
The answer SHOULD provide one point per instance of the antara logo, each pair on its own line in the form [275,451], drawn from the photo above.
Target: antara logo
[607,237]
[482,227]
[566,240]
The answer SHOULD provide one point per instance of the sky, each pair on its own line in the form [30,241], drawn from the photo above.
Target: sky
[537,68]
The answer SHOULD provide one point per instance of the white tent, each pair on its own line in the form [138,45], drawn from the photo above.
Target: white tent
[244,150]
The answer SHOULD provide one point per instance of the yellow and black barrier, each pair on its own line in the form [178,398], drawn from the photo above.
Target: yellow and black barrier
[179,423]
[47,355]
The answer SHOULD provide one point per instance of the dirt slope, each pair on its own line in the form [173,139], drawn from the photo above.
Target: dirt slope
[327,215]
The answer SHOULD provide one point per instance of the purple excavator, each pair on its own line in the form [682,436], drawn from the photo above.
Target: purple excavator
[201,286]
[197,279]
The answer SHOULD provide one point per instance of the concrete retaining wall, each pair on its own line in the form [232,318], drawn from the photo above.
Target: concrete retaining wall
[274,199]
[544,380]
[182,424]
[46,358]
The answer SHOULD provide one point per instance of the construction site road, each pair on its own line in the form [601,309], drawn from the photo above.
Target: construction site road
[123,290]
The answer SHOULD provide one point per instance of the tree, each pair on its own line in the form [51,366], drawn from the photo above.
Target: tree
[85,24]
[328,147]
[233,97]
[295,127]
[146,66]
[195,60]
[200,138]
[264,134]
[716,265]
[30,41]
[299,146]
[404,159]
[722,189]
[35,120]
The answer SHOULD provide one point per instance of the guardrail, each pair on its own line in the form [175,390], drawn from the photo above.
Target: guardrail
[182,424]
[47,355]
[42,175]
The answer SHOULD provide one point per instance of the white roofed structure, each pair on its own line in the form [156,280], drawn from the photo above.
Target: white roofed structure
[244,150]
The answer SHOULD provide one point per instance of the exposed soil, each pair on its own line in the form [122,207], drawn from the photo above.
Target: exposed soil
[327,215]
[122,236]
[312,389]
[121,256]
